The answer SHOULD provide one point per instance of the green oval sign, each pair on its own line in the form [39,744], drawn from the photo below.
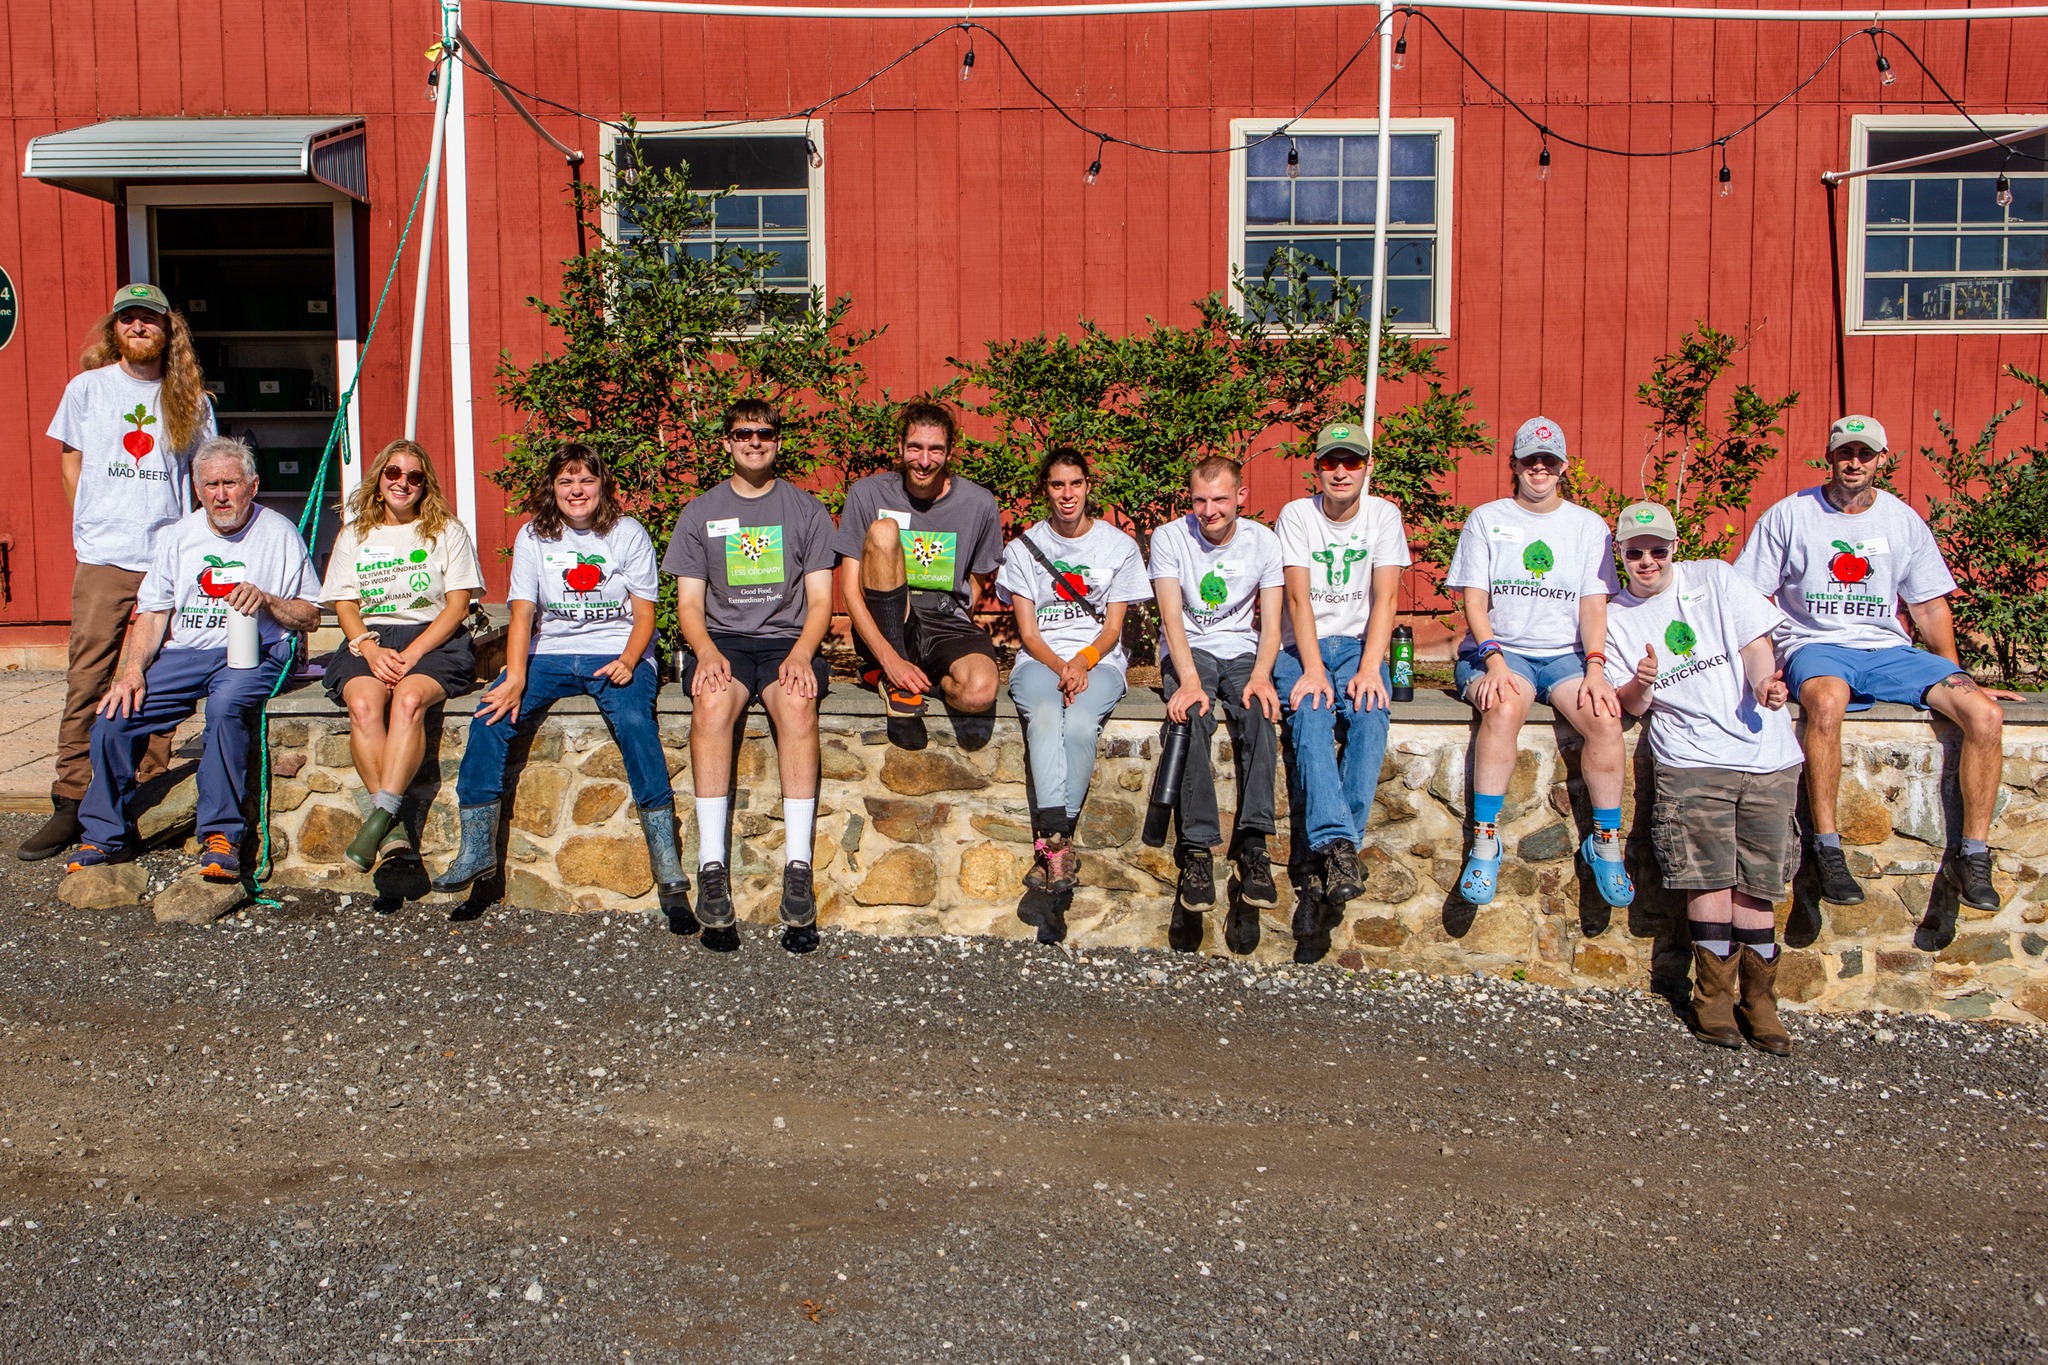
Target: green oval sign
[10,309]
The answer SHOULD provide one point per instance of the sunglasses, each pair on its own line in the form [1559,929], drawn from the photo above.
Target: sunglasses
[1656,552]
[1549,462]
[411,478]
[753,434]
[1345,461]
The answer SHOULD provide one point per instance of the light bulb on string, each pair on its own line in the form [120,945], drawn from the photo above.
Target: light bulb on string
[1543,164]
[1095,166]
[1400,52]
[2004,195]
[967,64]
[1885,74]
[1727,181]
[433,84]
[1293,160]
[817,157]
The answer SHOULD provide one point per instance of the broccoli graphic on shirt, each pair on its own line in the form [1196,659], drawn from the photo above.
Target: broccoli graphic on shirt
[1538,559]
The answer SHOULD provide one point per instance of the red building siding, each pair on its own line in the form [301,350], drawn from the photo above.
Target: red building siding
[955,213]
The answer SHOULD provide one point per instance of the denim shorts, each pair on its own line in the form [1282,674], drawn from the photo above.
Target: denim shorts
[1544,671]
[1901,674]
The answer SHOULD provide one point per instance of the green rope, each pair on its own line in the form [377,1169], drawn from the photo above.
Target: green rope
[309,525]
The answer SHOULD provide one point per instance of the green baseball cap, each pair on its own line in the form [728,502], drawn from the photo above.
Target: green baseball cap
[141,296]
[1645,519]
[1342,436]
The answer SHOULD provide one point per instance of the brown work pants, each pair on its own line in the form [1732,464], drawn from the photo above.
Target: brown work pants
[102,604]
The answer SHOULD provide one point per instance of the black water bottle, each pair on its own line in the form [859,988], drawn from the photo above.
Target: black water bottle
[1173,760]
[1404,664]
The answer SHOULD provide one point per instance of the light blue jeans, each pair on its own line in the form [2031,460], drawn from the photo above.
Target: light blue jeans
[1331,797]
[1059,739]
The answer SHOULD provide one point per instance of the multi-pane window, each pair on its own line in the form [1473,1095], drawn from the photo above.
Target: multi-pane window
[1323,209]
[1938,250]
[773,202]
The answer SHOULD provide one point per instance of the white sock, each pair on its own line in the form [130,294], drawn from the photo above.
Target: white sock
[1486,841]
[799,821]
[711,829]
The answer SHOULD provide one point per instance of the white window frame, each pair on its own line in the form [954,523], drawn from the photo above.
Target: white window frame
[815,180]
[1860,128]
[1438,325]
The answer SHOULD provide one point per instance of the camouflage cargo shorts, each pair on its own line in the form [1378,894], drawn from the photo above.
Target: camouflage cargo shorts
[1714,827]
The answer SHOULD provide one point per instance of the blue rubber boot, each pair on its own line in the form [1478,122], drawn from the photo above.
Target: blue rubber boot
[671,887]
[1610,876]
[478,854]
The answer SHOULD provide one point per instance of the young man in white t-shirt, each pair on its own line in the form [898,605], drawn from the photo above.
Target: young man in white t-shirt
[1218,581]
[1838,559]
[1342,553]
[230,555]
[1689,645]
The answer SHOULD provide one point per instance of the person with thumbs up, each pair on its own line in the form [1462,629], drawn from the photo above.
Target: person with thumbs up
[1727,764]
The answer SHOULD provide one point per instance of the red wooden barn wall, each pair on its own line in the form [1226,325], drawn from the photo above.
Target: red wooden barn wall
[955,213]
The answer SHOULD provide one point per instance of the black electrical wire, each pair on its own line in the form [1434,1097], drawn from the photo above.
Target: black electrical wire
[1952,101]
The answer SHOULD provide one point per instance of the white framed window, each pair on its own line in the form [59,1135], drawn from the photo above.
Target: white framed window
[1325,210]
[778,197]
[1930,247]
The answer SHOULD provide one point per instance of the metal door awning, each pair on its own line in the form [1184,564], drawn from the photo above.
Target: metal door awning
[98,158]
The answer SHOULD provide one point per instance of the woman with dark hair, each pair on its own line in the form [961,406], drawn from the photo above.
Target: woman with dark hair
[1069,580]
[586,572]
[400,580]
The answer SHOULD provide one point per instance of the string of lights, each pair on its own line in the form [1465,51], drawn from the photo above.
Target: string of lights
[1104,138]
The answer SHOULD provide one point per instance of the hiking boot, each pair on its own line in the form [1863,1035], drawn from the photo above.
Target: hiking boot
[1759,1007]
[714,896]
[1969,874]
[1255,878]
[218,859]
[1197,887]
[1062,867]
[362,850]
[477,855]
[1039,875]
[1342,879]
[58,833]
[1831,870]
[1713,998]
[799,905]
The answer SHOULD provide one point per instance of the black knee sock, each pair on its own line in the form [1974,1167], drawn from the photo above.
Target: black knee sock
[1048,821]
[1764,940]
[890,607]
[1718,939]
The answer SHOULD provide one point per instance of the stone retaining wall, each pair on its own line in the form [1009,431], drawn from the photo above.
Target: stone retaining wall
[938,841]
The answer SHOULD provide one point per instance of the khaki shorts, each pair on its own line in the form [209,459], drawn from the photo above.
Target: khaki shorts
[1715,828]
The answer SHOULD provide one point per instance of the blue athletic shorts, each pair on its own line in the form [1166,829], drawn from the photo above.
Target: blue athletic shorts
[1900,674]
[1544,671]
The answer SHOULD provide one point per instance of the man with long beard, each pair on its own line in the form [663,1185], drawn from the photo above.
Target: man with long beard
[129,423]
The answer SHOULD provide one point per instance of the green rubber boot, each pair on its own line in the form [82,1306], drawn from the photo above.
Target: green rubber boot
[362,850]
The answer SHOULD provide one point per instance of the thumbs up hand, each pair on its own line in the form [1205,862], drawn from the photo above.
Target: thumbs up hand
[1774,693]
[1646,670]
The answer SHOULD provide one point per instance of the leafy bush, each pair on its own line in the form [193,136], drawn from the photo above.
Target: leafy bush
[1700,463]
[1993,530]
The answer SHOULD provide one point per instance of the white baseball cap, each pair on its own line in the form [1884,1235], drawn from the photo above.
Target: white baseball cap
[1856,430]
[1540,436]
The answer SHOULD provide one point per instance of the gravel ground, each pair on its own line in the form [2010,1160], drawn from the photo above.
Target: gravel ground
[323,1134]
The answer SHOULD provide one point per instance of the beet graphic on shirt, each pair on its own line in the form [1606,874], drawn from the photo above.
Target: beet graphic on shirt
[1680,640]
[138,442]
[1538,559]
[585,574]
[1070,581]
[207,584]
[1848,566]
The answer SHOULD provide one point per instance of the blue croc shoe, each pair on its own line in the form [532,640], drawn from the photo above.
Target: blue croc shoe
[1481,879]
[1610,876]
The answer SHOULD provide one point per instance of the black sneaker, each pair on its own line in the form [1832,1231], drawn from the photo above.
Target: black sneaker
[1197,888]
[1341,874]
[1831,870]
[1255,878]
[1970,876]
[714,896]
[800,939]
[799,906]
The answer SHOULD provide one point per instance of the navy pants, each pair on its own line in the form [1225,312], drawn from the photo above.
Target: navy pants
[628,710]
[172,689]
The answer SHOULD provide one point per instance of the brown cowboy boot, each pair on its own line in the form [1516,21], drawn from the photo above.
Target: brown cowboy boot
[1759,1007]
[1713,999]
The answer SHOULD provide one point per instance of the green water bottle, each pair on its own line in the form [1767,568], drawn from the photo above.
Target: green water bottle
[1404,664]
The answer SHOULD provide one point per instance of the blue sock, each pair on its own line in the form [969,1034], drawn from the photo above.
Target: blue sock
[1607,817]
[1976,846]
[1607,832]
[1828,840]
[1486,809]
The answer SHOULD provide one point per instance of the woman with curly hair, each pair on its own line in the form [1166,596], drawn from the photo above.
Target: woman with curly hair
[401,579]
[129,423]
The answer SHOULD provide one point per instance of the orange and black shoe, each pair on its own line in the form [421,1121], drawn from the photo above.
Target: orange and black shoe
[901,705]
[218,860]
[88,855]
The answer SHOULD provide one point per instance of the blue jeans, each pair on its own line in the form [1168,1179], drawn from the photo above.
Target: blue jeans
[172,688]
[628,710]
[1332,797]
[1059,738]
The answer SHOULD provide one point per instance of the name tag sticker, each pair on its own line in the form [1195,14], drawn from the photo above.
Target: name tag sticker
[1507,533]
[1693,598]
[1876,545]
[558,562]
[902,519]
[719,530]
[227,575]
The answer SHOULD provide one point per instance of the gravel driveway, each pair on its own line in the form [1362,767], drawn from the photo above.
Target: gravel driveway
[324,1134]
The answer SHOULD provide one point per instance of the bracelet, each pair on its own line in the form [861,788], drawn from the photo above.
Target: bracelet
[1490,647]
[355,646]
[1594,654]
[1091,654]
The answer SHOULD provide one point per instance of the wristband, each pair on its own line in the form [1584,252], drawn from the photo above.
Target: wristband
[1490,647]
[1091,654]
[355,646]
[1594,654]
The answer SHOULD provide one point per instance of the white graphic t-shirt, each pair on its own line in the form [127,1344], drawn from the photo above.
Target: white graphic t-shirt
[1340,557]
[581,586]
[196,568]
[1535,566]
[1838,578]
[1101,567]
[131,484]
[1703,713]
[396,578]
[1219,584]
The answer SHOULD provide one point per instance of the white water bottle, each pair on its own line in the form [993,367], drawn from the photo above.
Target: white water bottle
[244,644]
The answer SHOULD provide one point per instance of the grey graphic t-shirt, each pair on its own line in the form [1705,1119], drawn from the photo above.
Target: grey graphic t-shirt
[752,555]
[945,541]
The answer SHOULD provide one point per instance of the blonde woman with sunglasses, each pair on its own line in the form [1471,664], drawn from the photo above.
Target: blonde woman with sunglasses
[401,580]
